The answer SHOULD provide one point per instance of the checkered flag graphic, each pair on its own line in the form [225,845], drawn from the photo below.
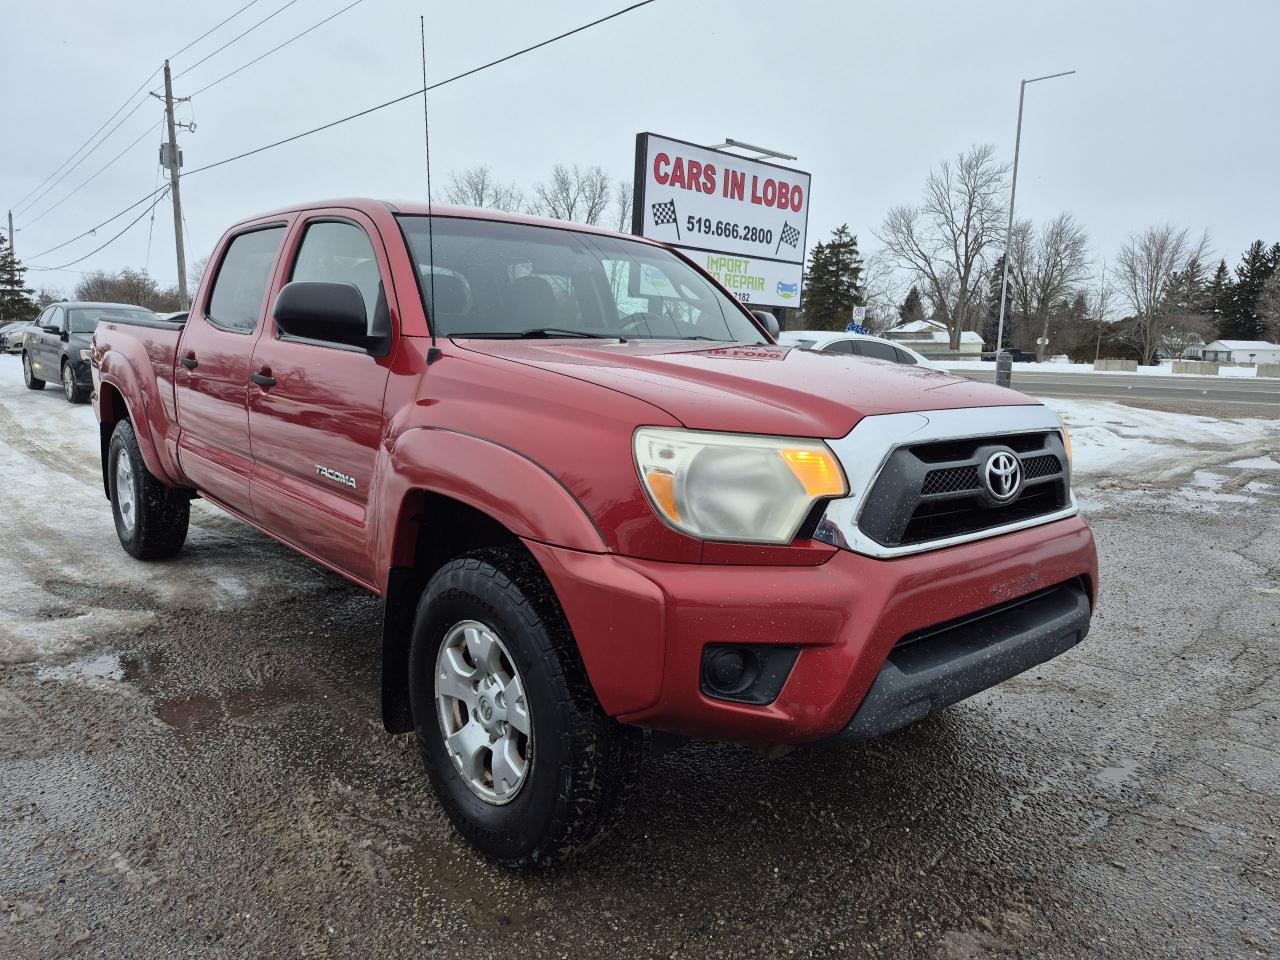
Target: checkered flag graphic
[664,213]
[790,236]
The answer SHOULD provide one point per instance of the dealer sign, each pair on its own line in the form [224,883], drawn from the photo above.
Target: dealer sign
[744,221]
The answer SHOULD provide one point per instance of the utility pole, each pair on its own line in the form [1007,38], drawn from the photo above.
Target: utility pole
[11,232]
[174,176]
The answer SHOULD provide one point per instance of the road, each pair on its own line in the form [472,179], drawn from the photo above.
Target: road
[192,764]
[1206,396]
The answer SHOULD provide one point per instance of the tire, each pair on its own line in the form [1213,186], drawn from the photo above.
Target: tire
[73,393]
[30,379]
[578,761]
[151,519]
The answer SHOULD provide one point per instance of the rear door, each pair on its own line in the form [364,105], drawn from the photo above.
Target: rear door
[211,380]
[316,420]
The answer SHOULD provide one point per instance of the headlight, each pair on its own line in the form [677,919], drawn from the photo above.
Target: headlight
[1066,438]
[86,354]
[726,486]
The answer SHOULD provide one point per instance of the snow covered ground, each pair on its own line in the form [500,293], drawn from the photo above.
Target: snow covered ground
[1111,439]
[63,570]
[1163,370]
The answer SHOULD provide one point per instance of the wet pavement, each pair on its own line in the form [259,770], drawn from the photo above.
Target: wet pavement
[192,764]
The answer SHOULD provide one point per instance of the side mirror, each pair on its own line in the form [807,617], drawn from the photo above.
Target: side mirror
[323,310]
[769,320]
[63,335]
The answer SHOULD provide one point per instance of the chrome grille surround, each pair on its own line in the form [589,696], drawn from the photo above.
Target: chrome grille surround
[864,451]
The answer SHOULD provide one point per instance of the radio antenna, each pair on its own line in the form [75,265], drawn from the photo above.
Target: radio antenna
[433,354]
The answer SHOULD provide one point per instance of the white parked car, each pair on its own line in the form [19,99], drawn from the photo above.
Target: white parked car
[858,344]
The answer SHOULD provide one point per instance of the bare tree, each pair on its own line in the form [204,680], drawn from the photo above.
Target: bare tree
[1045,266]
[1145,268]
[622,193]
[573,193]
[195,273]
[478,187]
[882,290]
[46,296]
[128,286]
[1101,301]
[944,240]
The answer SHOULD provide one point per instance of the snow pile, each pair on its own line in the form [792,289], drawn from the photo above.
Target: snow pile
[1110,439]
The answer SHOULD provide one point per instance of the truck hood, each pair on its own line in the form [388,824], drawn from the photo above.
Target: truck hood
[751,389]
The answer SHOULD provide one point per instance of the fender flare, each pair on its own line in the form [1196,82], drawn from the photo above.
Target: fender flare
[123,379]
[514,490]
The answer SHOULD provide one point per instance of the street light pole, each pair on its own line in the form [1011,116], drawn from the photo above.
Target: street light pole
[1013,193]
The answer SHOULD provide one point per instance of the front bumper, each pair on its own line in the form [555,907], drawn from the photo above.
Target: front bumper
[641,626]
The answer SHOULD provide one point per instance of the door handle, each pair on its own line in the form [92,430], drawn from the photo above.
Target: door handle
[189,362]
[263,379]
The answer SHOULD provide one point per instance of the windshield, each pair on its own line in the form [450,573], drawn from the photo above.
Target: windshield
[494,278]
[85,319]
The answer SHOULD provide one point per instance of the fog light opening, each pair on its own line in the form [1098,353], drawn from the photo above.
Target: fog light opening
[746,673]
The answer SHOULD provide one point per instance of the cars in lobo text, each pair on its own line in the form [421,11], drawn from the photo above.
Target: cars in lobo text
[57,346]
[595,495]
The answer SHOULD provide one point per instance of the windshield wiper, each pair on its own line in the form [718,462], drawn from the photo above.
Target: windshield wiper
[539,333]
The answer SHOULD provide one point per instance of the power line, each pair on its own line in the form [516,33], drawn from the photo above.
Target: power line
[354,116]
[275,48]
[142,86]
[269,16]
[174,56]
[22,204]
[72,263]
[420,91]
[145,133]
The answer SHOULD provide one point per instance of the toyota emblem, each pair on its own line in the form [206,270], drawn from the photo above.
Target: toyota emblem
[1003,476]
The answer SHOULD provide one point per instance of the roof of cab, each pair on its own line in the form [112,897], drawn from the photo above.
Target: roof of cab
[369,205]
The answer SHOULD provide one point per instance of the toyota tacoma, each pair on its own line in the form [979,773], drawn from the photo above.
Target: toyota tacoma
[601,503]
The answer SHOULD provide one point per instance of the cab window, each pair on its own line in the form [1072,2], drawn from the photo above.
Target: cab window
[340,252]
[235,302]
[840,346]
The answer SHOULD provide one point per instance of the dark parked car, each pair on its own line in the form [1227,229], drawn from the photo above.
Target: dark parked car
[57,346]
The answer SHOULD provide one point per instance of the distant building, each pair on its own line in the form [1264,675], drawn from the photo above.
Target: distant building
[930,337]
[1234,351]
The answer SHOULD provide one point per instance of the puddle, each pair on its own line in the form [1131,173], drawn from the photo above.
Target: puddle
[1256,463]
[134,668]
[201,712]
[1119,775]
[106,666]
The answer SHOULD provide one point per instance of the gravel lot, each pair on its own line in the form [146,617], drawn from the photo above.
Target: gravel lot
[192,764]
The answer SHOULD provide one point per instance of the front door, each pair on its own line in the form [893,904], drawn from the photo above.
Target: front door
[315,417]
[44,347]
[212,376]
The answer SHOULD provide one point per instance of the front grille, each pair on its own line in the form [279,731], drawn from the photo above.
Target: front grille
[951,480]
[935,491]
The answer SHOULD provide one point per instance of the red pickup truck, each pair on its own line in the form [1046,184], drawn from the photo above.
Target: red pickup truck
[596,496]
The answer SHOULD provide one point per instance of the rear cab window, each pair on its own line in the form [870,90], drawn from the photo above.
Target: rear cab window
[235,303]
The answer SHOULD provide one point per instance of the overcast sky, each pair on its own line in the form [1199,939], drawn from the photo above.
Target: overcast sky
[1171,117]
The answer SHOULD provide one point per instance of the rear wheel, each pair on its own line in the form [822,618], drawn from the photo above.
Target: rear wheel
[151,519]
[524,760]
[28,377]
[73,393]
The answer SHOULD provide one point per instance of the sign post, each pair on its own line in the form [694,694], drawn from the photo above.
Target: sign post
[744,221]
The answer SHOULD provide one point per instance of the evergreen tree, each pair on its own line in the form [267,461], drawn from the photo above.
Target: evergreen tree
[912,308]
[833,284]
[1243,322]
[15,295]
[1218,296]
[1274,257]
[991,318]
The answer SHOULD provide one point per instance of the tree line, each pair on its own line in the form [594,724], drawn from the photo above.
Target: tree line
[1157,296]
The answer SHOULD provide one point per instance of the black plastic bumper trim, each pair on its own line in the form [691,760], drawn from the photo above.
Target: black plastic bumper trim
[942,666]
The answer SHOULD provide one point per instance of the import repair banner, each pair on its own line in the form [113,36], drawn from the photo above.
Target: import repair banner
[744,220]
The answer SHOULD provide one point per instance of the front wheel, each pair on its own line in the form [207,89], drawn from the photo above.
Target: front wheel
[28,375]
[73,393]
[525,762]
[151,519]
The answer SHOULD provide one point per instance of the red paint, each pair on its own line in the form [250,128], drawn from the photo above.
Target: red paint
[538,436]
